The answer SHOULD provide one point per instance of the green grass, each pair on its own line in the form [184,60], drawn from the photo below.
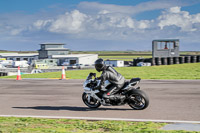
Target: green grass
[124,57]
[27,125]
[180,71]
[110,52]
[107,52]
[24,125]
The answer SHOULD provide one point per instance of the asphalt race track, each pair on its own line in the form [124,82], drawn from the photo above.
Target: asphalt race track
[169,100]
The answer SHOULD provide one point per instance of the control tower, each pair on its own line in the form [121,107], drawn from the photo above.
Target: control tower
[165,48]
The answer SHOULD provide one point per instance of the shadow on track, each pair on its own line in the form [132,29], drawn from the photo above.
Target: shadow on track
[70,108]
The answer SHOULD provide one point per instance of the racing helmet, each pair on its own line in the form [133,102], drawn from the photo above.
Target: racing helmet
[99,64]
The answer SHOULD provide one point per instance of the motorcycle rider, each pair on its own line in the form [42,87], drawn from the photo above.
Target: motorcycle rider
[110,74]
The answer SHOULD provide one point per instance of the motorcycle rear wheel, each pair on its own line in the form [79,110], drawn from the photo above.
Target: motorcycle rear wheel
[138,100]
[93,103]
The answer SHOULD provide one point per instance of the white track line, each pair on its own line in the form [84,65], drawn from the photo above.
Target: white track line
[96,118]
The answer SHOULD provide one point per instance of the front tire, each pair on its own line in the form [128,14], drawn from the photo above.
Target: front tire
[93,103]
[138,100]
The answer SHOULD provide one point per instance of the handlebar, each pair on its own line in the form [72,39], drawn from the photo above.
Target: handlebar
[91,75]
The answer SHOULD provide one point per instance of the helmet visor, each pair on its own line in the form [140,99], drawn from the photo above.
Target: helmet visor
[99,67]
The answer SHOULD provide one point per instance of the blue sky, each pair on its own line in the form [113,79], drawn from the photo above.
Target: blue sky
[98,25]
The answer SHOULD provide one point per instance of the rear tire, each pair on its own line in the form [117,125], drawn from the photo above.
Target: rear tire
[138,100]
[93,103]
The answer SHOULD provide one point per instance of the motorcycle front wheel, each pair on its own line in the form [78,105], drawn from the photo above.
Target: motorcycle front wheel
[138,100]
[90,102]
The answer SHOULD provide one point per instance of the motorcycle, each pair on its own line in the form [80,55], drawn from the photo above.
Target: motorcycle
[128,94]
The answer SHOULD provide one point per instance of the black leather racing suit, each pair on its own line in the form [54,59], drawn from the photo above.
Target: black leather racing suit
[115,78]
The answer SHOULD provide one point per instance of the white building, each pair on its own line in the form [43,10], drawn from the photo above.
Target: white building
[19,57]
[72,59]
[53,51]
[114,63]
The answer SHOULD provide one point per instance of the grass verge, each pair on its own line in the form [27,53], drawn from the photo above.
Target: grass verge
[124,58]
[39,125]
[179,71]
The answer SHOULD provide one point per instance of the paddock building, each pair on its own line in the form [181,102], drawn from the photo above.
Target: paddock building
[72,59]
[52,52]
[19,57]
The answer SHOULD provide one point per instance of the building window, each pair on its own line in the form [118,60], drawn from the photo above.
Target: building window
[72,62]
[25,59]
[54,46]
[42,47]
[165,45]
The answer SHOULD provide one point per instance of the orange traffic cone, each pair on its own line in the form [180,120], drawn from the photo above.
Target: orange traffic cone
[63,73]
[19,74]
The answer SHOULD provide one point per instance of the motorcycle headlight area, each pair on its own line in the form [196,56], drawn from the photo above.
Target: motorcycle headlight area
[87,89]
[85,83]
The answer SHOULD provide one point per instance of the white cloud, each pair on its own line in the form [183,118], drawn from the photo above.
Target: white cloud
[196,18]
[182,19]
[145,24]
[12,30]
[69,23]
[91,7]
[39,24]
[175,9]
[16,31]
[118,26]
[104,12]
[106,22]
[114,21]
[75,22]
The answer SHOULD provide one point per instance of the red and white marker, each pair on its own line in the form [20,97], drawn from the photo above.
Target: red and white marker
[63,73]
[19,74]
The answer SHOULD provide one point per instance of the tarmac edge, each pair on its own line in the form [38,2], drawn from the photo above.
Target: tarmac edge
[101,119]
